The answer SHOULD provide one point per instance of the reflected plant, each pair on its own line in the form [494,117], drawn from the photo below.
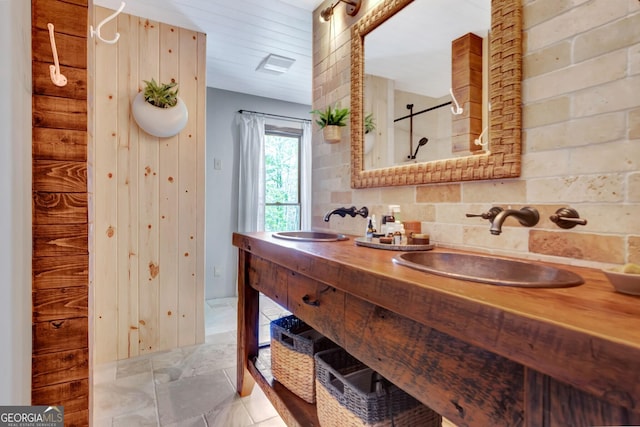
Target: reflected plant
[369,123]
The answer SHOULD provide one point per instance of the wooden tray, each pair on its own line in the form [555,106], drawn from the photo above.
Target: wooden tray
[374,242]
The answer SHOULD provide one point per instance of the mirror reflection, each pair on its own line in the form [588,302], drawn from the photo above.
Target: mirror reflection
[413,63]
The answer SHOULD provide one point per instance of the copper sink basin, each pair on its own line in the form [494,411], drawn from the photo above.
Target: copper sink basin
[310,236]
[489,269]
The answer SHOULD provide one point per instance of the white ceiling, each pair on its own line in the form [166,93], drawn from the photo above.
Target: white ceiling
[240,34]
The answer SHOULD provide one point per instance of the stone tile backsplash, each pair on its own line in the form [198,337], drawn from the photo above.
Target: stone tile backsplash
[580,142]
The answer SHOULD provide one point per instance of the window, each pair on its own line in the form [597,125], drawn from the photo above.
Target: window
[274,174]
[282,179]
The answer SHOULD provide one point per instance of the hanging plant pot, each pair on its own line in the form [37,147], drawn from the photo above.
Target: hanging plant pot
[332,133]
[156,121]
[369,142]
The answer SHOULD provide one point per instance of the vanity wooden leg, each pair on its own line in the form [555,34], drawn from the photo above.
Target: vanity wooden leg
[248,307]
[552,403]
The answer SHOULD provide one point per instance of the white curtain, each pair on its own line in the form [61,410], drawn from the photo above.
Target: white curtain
[251,170]
[305,177]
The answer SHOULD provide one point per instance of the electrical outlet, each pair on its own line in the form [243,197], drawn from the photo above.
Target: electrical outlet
[217,271]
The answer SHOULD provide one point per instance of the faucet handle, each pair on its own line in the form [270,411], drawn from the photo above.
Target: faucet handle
[487,215]
[363,212]
[567,218]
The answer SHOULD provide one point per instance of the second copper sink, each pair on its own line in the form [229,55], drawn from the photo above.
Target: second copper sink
[489,269]
[310,236]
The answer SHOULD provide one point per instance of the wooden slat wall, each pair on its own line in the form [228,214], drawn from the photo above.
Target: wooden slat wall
[60,363]
[148,194]
[466,81]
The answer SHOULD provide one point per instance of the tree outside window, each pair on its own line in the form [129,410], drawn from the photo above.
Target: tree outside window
[282,179]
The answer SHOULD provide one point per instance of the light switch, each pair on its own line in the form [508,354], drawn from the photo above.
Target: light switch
[217,163]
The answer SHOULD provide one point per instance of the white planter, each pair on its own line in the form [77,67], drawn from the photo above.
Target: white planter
[156,121]
[369,142]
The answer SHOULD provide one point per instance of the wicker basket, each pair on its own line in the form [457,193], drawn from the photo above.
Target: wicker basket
[350,394]
[293,344]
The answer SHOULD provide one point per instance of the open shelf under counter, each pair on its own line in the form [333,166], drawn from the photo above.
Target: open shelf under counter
[293,410]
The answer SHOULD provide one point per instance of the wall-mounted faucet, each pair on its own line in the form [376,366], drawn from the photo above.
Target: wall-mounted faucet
[527,216]
[352,211]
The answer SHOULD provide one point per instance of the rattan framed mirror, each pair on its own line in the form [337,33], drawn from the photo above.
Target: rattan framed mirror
[503,159]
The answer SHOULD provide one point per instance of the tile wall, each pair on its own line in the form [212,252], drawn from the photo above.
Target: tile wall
[581,141]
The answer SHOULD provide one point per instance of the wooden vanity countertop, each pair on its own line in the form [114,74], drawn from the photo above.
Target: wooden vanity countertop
[587,335]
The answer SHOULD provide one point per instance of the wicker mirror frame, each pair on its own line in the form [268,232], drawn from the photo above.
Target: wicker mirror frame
[505,120]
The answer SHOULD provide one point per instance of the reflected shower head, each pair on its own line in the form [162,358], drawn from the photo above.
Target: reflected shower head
[423,141]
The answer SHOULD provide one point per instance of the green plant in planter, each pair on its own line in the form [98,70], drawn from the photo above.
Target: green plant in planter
[331,116]
[369,124]
[161,95]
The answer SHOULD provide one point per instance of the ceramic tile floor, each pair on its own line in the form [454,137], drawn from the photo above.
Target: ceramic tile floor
[186,387]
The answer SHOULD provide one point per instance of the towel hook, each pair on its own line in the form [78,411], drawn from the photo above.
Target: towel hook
[56,77]
[478,140]
[457,110]
[96,32]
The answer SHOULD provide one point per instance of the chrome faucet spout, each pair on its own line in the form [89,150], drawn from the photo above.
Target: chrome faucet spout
[352,211]
[527,216]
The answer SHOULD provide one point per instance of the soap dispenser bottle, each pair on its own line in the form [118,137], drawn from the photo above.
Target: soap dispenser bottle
[370,229]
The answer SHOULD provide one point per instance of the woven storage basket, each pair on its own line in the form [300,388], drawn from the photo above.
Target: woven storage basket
[293,344]
[349,394]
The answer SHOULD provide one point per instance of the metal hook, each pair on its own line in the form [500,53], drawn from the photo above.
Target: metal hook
[478,140]
[457,110]
[96,32]
[56,77]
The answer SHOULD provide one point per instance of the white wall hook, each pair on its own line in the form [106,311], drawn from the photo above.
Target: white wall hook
[56,77]
[457,110]
[478,140]
[96,32]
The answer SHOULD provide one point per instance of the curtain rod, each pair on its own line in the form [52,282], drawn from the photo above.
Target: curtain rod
[274,115]
[422,111]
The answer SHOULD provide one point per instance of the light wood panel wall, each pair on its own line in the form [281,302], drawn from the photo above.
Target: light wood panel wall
[148,194]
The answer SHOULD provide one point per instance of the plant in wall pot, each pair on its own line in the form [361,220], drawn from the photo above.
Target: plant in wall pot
[158,110]
[331,121]
[369,133]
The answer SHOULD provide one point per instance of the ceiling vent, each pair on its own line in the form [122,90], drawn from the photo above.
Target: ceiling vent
[275,64]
